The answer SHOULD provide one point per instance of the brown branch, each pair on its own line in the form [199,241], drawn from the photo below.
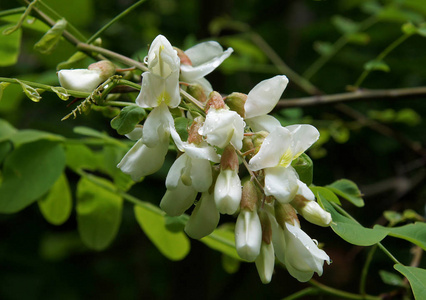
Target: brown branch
[359,95]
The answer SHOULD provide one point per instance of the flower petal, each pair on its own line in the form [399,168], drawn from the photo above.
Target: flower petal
[227,192]
[82,80]
[264,96]
[141,160]
[202,152]
[157,125]
[176,170]
[201,174]
[204,217]
[263,123]
[272,149]
[265,262]
[303,137]
[176,201]
[156,90]
[281,183]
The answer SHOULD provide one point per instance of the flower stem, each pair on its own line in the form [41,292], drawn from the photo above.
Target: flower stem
[341,294]
[364,272]
[302,293]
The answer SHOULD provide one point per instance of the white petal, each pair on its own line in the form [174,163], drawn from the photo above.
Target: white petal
[176,201]
[156,90]
[264,96]
[303,257]
[275,145]
[135,134]
[205,57]
[263,123]
[314,213]
[201,152]
[265,262]
[141,160]
[227,192]
[162,58]
[205,84]
[201,174]
[157,125]
[204,217]
[176,170]
[303,137]
[248,235]
[304,191]
[82,80]
[281,183]
[278,239]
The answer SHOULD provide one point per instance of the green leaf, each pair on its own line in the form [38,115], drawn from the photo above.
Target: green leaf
[29,91]
[6,130]
[344,25]
[304,167]
[414,233]
[393,217]
[29,172]
[391,278]
[417,279]
[126,121]
[173,245]
[31,135]
[359,38]
[230,264]
[33,24]
[98,212]
[376,65]
[349,190]
[50,39]
[5,148]
[81,157]
[222,240]
[3,86]
[10,46]
[176,223]
[326,194]
[56,206]
[72,61]
[350,230]
[87,131]
[61,92]
[111,156]
[181,125]
[324,48]
[409,28]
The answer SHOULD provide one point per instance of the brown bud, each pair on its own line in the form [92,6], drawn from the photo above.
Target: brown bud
[265,222]
[285,213]
[249,197]
[236,102]
[215,101]
[184,59]
[197,91]
[193,136]
[106,67]
[229,159]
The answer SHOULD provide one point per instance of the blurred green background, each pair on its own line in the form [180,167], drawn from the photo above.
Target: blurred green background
[41,261]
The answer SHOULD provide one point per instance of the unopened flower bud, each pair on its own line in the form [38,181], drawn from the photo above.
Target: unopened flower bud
[265,262]
[184,59]
[229,159]
[215,101]
[266,227]
[236,102]
[248,235]
[227,192]
[106,67]
[311,211]
[258,139]
[193,136]
[285,213]
[249,197]
[197,91]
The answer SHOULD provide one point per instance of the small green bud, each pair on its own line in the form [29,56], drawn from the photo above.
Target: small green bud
[236,102]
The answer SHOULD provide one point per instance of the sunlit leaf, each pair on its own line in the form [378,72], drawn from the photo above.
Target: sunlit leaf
[351,231]
[81,157]
[222,240]
[29,172]
[173,245]
[98,212]
[325,193]
[126,121]
[56,206]
[31,135]
[344,25]
[6,130]
[414,233]
[349,190]
[304,168]
[50,39]
[417,279]
[230,264]
[10,47]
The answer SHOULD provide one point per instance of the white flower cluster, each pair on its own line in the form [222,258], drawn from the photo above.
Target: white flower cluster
[231,131]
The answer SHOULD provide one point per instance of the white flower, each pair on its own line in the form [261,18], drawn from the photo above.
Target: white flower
[227,192]
[204,217]
[261,100]
[248,234]
[161,83]
[265,262]
[177,200]
[82,80]
[302,255]
[205,57]
[223,126]
[278,150]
